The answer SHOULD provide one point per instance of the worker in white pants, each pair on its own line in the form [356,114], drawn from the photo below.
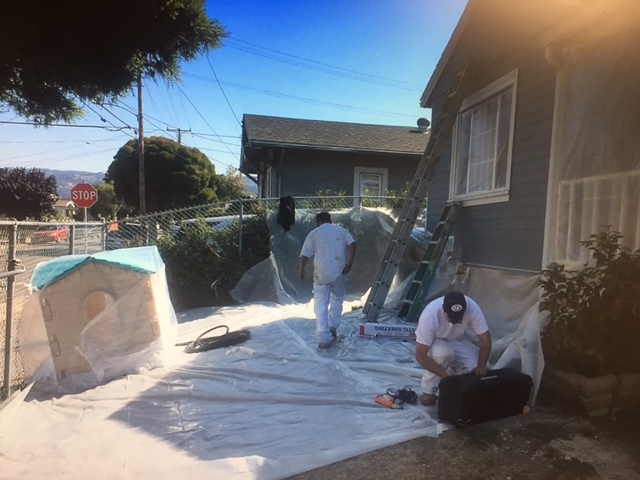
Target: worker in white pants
[441,346]
[455,358]
[333,250]
[327,305]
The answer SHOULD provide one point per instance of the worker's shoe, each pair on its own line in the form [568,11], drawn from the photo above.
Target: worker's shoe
[334,332]
[428,399]
[324,345]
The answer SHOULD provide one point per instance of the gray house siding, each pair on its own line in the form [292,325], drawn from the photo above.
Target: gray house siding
[299,157]
[305,172]
[508,234]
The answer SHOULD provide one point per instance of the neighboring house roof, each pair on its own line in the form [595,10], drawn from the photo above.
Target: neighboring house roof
[264,131]
[64,204]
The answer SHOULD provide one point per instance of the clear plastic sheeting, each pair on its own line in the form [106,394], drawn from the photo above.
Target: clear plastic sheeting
[274,405]
[276,278]
[92,318]
[510,303]
[597,155]
[509,299]
[270,407]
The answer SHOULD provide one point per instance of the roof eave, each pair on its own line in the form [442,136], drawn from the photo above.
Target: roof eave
[425,99]
[302,146]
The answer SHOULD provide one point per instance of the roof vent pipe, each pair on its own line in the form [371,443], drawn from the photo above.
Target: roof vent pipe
[423,125]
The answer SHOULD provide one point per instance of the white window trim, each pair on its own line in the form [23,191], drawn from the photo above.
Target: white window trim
[510,80]
[359,170]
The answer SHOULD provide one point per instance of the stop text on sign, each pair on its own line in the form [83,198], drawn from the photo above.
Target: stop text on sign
[84,195]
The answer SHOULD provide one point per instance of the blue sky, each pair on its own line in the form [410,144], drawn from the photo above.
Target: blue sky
[362,61]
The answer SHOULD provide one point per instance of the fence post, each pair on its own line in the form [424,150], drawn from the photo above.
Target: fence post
[103,234]
[13,263]
[72,238]
[241,226]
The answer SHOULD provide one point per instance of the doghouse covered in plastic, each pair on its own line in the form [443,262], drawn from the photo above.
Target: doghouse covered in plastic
[94,317]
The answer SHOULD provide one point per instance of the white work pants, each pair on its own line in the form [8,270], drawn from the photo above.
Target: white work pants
[327,305]
[454,357]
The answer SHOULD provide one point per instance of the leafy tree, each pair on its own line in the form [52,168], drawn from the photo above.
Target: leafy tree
[176,176]
[54,53]
[230,186]
[27,193]
[108,205]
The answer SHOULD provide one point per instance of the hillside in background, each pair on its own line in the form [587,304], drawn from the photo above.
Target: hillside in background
[66,179]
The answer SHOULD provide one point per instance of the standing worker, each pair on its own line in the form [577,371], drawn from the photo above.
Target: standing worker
[333,250]
[441,346]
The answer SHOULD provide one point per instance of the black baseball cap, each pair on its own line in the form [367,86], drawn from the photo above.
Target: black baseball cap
[455,305]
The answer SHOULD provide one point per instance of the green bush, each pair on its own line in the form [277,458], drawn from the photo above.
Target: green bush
[594,323]
[203,264]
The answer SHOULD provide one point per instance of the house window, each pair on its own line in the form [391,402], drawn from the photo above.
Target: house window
[594,205]
[370,182]
[482,144]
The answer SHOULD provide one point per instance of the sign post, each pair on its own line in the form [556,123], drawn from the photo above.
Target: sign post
[84,196]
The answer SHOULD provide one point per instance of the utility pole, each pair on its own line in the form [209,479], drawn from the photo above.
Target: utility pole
[179,130]
[143,206]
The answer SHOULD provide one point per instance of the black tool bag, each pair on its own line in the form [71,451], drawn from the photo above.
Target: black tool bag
[467,400]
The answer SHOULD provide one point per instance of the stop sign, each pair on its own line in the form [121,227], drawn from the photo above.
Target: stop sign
[84,195]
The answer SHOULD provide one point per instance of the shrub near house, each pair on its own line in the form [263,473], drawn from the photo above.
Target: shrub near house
[204,262]
[594,323]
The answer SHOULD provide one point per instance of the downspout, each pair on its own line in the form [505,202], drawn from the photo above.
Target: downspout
[280,162]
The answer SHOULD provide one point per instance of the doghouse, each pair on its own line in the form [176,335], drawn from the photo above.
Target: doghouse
[104,314]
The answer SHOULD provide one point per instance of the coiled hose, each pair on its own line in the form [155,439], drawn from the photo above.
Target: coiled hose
[227,339]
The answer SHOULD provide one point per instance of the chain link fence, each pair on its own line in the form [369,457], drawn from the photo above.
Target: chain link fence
[223,239]
[23,245]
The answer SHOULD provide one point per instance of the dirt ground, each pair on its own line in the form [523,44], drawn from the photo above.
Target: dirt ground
[553,442]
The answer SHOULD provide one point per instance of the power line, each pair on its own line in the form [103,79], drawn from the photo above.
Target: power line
[303,99]
[205,121]
[222,90]
[127,126]
[101,127]
[60,159]
[323,67]
[59,141]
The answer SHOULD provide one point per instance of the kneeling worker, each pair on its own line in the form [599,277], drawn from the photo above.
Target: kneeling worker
[441,346]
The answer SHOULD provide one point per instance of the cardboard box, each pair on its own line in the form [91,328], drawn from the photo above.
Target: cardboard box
[388,330]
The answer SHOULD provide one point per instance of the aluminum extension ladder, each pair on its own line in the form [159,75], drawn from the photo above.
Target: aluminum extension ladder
[414,300]
[414,203]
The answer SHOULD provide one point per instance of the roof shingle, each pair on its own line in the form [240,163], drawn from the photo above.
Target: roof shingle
[279,131]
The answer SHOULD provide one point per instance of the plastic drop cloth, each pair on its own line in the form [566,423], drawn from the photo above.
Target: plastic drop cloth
[267,408]
[275,405]
[509,299]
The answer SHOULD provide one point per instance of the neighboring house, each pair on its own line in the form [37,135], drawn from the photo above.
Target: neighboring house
[65,208]
[288,156]
[546,149]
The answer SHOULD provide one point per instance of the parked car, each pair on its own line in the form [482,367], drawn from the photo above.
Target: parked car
[130,235]
[115,240]
[50,234]
[214,223]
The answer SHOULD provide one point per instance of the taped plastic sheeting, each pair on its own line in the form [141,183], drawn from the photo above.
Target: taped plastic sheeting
[268,408]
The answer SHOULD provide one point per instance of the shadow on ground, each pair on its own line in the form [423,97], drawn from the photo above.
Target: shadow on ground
[553,442]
